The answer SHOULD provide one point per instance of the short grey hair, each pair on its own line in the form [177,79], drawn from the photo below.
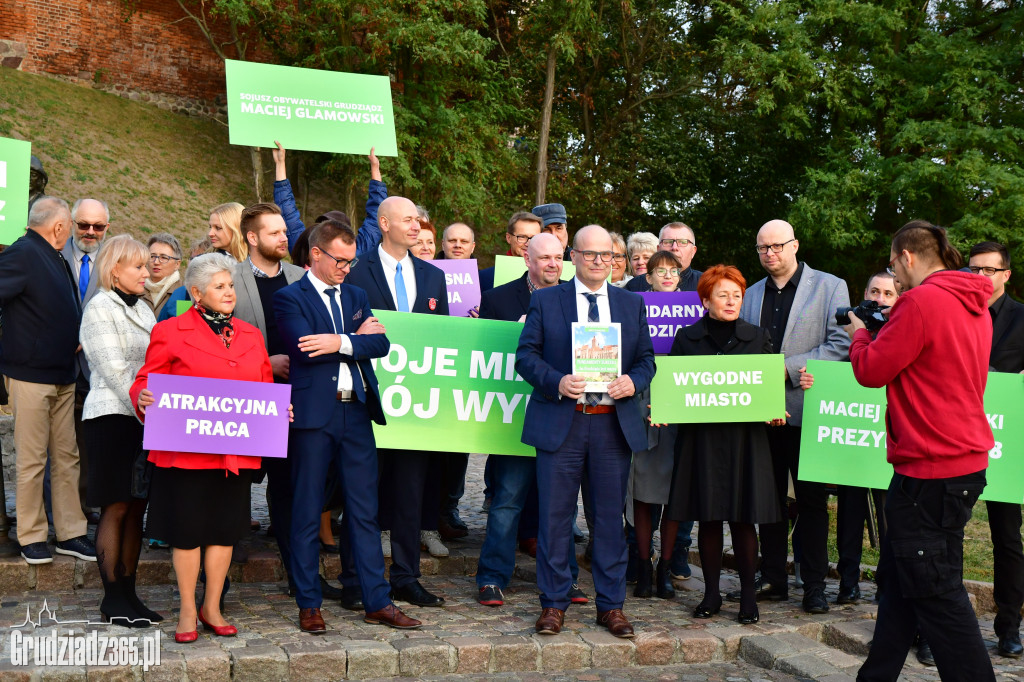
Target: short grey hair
[74,209]
[641,241]
[168,239]
[677,226]
[45,210]
[201,270]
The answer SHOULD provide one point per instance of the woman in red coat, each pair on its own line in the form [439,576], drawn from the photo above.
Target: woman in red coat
[201,501]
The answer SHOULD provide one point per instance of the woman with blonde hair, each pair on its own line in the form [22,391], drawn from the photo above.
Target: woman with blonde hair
[225,231]
[114,335]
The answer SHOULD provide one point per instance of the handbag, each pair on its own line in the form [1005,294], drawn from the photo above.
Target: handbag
[142,474]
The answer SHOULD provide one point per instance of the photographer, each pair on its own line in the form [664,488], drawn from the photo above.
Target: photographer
[938,441]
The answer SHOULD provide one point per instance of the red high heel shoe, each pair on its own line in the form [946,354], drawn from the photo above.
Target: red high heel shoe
[187,637]
[219,630]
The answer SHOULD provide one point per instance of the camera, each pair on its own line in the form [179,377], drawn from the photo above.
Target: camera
[868,311]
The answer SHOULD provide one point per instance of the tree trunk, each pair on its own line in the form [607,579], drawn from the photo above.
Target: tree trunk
[545,130]
[257,172]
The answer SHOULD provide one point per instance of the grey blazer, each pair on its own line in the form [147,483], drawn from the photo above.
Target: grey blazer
[811,332]
[94,280]
[248,306]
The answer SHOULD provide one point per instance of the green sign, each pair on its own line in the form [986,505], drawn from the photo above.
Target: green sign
[182,307]
[718,388]
[843,435]
[508,268]
[15,156]
[449,384]
[320,111]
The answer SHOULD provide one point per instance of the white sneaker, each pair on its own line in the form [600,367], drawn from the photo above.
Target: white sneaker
[385,543]
[430,540]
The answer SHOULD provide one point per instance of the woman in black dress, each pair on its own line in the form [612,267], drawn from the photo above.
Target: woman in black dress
[723,471]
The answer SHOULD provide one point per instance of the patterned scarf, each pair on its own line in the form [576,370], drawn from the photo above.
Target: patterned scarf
[220,323]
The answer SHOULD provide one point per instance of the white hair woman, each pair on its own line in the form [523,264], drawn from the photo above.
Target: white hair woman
[114,335]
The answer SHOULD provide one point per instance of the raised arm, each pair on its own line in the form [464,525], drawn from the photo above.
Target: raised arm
[369,232]
[285,198]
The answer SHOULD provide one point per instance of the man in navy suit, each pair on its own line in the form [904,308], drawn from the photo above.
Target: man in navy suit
[334,393]
[575,431]
[394,279]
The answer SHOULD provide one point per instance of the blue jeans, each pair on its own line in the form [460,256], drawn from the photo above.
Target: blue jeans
[511,480]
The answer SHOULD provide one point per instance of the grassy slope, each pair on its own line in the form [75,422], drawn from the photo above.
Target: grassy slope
[159,171]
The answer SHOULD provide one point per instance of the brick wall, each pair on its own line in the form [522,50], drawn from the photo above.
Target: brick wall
[157,50]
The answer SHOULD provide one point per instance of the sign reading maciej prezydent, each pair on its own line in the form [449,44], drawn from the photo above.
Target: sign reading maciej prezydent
[718,388]
[842,439]
[14,179]
[217,416]
[667,313]
[320,111]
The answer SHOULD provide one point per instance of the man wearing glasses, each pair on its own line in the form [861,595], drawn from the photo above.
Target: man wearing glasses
[797,305]
[575,431]
[522,226]
[678,239]
[992,260]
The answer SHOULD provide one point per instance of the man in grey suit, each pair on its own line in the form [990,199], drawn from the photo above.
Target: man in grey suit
[797,305]
[90,222]
[257,279]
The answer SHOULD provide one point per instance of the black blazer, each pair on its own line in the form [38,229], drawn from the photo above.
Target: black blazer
[747,340]
[1008,337]
[368,275]
[508,302]
[41,313]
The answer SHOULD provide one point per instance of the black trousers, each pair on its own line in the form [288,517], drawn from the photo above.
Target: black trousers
[812,504]
[279,499]
[404,478]
[851,516]
[1008,563]
[453,481]
[920,577]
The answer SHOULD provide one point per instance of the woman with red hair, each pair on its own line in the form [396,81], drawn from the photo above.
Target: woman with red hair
[723,472]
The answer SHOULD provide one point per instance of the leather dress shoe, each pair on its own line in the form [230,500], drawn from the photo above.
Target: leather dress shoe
[848,595]
[1009,645]
[414,593]
[311,621]
[393,617]
[351,598]
[814,601]
[616,622]
[449,531]
[749,618]
[329,591]
[924,654]
[764,591]
[707,610]
[550,621]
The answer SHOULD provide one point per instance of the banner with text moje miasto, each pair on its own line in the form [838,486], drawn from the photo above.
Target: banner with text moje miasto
[449,384]
[15,157]
[667,313]
[508,268]
[462,278]
[310,109]
[694,389]
[842,438]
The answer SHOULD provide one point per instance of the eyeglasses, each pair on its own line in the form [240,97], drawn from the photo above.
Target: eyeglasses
[591,256]
[340,262]
[98,227]
[667,272]
[889,267]
[667,243]
[976,269]
[522,239]
[619,258]
[776,248]
[162,258]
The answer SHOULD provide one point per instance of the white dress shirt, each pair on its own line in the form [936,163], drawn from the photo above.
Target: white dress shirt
[344,375]
[389,263]
[604,314]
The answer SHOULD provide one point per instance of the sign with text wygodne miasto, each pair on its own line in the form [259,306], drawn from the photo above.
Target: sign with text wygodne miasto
[698,389]
[14,179]
[320,111]
[217,416]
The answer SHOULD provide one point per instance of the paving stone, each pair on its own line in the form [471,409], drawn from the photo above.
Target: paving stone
[564,651]
[112,674]
[805,665]
[70,673]
[315,660]
[261,663]
[654,648]
[514,652]
[853,637]
[609,651]
[697,646]
[207,663]
[765,650]
[60,575]
[473,654]
[16,576]
[171,668]
[369,659]
[425,656]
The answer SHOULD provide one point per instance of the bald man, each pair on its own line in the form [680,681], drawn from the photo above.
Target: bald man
[458,241]
[575,431]
[394,279]
[797,305]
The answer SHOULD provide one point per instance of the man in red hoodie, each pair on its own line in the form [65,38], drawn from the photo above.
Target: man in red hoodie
[937,438]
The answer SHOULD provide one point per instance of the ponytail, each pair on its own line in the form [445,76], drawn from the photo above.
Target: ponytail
[930,241]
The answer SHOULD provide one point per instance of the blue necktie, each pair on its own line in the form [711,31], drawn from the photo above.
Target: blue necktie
[339,327]
[83,277]
[400,293]
[592,316]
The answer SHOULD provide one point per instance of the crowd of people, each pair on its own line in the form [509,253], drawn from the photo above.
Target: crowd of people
[88,318]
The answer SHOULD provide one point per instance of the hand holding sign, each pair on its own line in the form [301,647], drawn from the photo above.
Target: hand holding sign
[571,386]
[145,400]
[621,387]
[806,379]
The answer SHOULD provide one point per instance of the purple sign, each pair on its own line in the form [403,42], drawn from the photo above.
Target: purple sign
[667,312]
[217,416]
[463,280]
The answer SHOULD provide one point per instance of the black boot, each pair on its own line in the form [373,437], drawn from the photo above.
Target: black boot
[666,590]
[128,585]
[644,580]
[116,609]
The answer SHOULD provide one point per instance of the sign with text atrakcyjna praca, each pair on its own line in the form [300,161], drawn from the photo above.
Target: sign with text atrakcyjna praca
[319,111]
[596,354]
